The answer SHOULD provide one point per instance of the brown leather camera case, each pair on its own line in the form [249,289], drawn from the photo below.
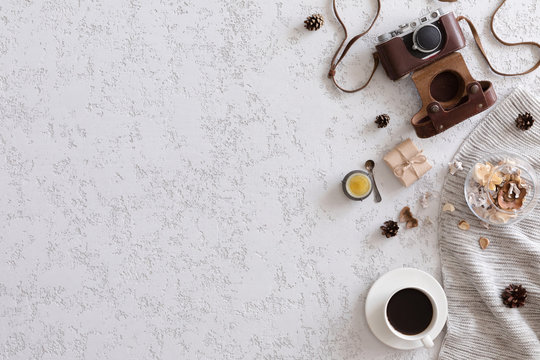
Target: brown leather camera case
[397,61]
[449,95]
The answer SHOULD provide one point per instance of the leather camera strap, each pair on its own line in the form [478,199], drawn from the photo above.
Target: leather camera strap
[483,52]
[338,58]
[335,60]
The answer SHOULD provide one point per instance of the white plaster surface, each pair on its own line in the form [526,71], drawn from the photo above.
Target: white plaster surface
[170,176]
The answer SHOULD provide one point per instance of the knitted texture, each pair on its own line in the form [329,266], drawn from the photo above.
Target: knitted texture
[479,325]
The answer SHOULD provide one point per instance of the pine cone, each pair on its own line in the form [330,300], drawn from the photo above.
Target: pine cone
[382,120]
[314,22]
[524,121]
[514,296]
[390,228]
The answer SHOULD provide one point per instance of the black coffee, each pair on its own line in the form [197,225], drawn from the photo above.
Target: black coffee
[409,311]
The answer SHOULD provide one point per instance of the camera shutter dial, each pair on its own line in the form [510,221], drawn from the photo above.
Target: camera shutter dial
[427,38]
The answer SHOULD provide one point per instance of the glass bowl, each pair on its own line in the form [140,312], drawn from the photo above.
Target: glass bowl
[501,189]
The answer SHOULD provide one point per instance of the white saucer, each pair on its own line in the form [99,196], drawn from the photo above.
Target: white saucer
[389,283]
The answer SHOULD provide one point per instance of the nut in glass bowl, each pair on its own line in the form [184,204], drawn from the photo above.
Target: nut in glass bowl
[501,189]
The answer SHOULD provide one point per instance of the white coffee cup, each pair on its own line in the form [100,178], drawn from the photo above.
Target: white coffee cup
[422,336]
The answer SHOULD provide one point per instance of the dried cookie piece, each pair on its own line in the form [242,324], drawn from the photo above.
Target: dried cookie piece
[484,242]
[463,225]
[448,207]
[406,216]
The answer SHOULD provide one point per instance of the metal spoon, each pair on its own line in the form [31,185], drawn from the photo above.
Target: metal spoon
[370,164]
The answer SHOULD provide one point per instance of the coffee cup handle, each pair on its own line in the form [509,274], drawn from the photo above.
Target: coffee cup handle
[426,340]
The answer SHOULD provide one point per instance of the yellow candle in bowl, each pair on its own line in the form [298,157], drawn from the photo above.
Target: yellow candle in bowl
[357,185]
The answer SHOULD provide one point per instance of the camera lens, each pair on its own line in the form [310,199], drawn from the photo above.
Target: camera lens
[427,38]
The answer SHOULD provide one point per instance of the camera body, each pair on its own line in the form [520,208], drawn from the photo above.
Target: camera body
[419,43]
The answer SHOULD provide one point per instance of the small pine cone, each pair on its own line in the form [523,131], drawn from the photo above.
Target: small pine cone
[382,120]
[514,296]
[524,121]
[314,22]
[390,228]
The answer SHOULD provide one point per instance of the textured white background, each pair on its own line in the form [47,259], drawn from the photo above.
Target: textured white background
[170,176]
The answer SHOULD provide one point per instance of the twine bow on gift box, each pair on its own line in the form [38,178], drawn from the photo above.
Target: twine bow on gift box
[407,164]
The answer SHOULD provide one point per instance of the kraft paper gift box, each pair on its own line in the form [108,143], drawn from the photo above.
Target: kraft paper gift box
[407,162]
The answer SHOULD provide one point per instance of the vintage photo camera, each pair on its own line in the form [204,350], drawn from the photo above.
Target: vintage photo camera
[426,47]
[418,43]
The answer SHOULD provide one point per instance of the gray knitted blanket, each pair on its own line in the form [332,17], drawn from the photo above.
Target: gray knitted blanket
[479,325]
